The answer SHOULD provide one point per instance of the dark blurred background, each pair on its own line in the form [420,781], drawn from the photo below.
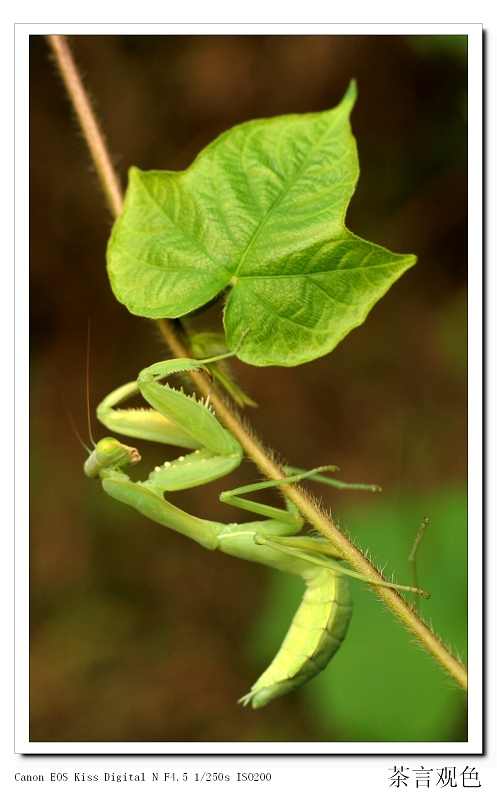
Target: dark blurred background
[139,634]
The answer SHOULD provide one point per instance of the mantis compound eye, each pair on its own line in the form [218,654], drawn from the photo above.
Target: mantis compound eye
[108,447]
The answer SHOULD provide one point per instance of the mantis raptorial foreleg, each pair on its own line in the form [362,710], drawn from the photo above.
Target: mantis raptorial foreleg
[321,621]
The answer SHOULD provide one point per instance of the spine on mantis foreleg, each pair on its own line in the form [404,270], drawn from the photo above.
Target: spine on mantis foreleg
[317,631]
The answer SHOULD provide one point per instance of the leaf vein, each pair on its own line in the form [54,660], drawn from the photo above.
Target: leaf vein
[184,233]
[285,191]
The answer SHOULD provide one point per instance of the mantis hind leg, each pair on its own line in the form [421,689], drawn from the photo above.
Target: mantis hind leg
[320,552]
[293,476]
[290,515]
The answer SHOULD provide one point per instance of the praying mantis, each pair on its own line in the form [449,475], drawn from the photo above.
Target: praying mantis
[175,418]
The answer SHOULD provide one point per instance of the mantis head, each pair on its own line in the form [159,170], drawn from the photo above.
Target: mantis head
[109,453]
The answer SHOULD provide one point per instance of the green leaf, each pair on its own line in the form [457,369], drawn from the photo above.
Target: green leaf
[260,213]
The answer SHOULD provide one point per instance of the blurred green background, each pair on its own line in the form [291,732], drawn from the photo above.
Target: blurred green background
[138,634]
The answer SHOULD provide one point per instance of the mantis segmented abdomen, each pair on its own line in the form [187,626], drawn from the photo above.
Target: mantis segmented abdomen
[315,634]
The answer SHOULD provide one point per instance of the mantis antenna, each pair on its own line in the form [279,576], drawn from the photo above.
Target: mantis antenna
[88,383]
[69,415]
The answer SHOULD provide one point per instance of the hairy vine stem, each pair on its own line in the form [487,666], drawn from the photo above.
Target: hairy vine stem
[172,336]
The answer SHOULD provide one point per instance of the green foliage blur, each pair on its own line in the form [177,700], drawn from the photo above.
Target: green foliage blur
[408,697]
[138,634]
